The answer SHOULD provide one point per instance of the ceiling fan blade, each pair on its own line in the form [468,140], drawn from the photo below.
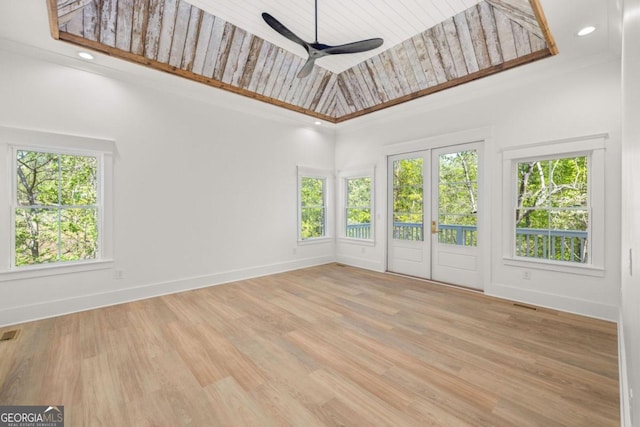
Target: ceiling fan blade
[355,47]
[277,25]
[306,69]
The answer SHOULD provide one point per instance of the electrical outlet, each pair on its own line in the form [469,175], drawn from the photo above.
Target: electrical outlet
[363,250]
[526,275]
[119,274]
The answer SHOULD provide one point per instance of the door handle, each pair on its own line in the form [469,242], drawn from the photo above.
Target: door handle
[434,227]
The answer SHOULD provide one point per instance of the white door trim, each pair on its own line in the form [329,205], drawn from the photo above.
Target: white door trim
[486,182]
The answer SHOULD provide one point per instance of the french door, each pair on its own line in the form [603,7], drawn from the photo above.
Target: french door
[433,215]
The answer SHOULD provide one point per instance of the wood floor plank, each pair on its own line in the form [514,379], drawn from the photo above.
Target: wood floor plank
[323,346]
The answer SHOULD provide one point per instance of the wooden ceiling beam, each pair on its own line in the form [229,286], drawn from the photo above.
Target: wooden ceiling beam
[175,37]
[139,59]
[52,12]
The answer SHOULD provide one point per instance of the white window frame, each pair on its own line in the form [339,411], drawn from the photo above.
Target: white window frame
[593,147]
[13,140]
[344,176]
[327,177]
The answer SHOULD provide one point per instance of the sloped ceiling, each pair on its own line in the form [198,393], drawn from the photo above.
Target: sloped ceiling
[179,38]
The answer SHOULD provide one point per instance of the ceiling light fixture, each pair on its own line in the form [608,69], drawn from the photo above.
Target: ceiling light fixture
[317,123]
[586,30]
[85,55]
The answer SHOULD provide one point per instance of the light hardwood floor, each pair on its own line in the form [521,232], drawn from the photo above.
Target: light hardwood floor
[328,345]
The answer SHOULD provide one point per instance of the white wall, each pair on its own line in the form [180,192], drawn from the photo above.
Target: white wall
[202,194]
[519,107]
[630,313]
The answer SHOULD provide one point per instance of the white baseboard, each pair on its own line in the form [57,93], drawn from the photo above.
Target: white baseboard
[556,302]
[43,310]
[625,404]
[364,263]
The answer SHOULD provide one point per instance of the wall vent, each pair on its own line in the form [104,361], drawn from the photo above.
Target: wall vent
[10,335]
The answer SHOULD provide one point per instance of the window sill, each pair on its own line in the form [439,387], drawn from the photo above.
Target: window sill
[315,241]
[55,269]
[353,241]
[580,269]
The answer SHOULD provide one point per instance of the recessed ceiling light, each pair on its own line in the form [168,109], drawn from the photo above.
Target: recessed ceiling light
[317,123]
[85,55]
[586,30]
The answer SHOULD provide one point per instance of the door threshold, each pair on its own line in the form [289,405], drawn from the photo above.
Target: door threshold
[449,285]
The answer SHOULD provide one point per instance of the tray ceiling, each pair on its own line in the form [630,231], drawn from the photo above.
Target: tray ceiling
[232,51]
[339,21]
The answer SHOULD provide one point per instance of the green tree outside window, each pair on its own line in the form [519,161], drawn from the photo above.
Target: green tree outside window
[56,217]
[312,208]
[358,209]
[552,211]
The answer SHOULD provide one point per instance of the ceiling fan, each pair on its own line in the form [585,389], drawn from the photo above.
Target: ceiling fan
[318,50]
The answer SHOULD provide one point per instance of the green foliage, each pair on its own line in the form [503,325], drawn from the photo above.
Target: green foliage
[359,201]
[553,197]
[358,208]
[458,188]
[57,215]
[407,191]
[312,221]
[553,194]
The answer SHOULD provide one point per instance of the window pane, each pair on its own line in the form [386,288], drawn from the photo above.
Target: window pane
[312,223]
[532,233]
[36,178]
[459,167]
[569,182]
[78,180]
[36,232]
[358,223]
[358,209]
[408,199]
[358,216]
[560,235]
[407,172]
[532,218]
[78,234]
[359,192]
[458,198]
[458,230]
[312,192]
[569,235]
[58,233]
[533,184]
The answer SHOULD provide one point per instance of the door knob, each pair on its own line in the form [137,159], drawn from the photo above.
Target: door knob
[434,227]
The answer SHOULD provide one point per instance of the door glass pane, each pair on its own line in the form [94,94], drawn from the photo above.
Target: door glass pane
[458,198]
[408,199]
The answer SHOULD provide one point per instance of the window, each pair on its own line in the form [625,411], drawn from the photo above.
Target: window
[556,211]
[552,209]
[358,210]
[313,211]
[312,207]
[57,190]
[56,207]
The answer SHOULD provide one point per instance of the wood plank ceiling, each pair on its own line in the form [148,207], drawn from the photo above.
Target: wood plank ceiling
[179,38]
